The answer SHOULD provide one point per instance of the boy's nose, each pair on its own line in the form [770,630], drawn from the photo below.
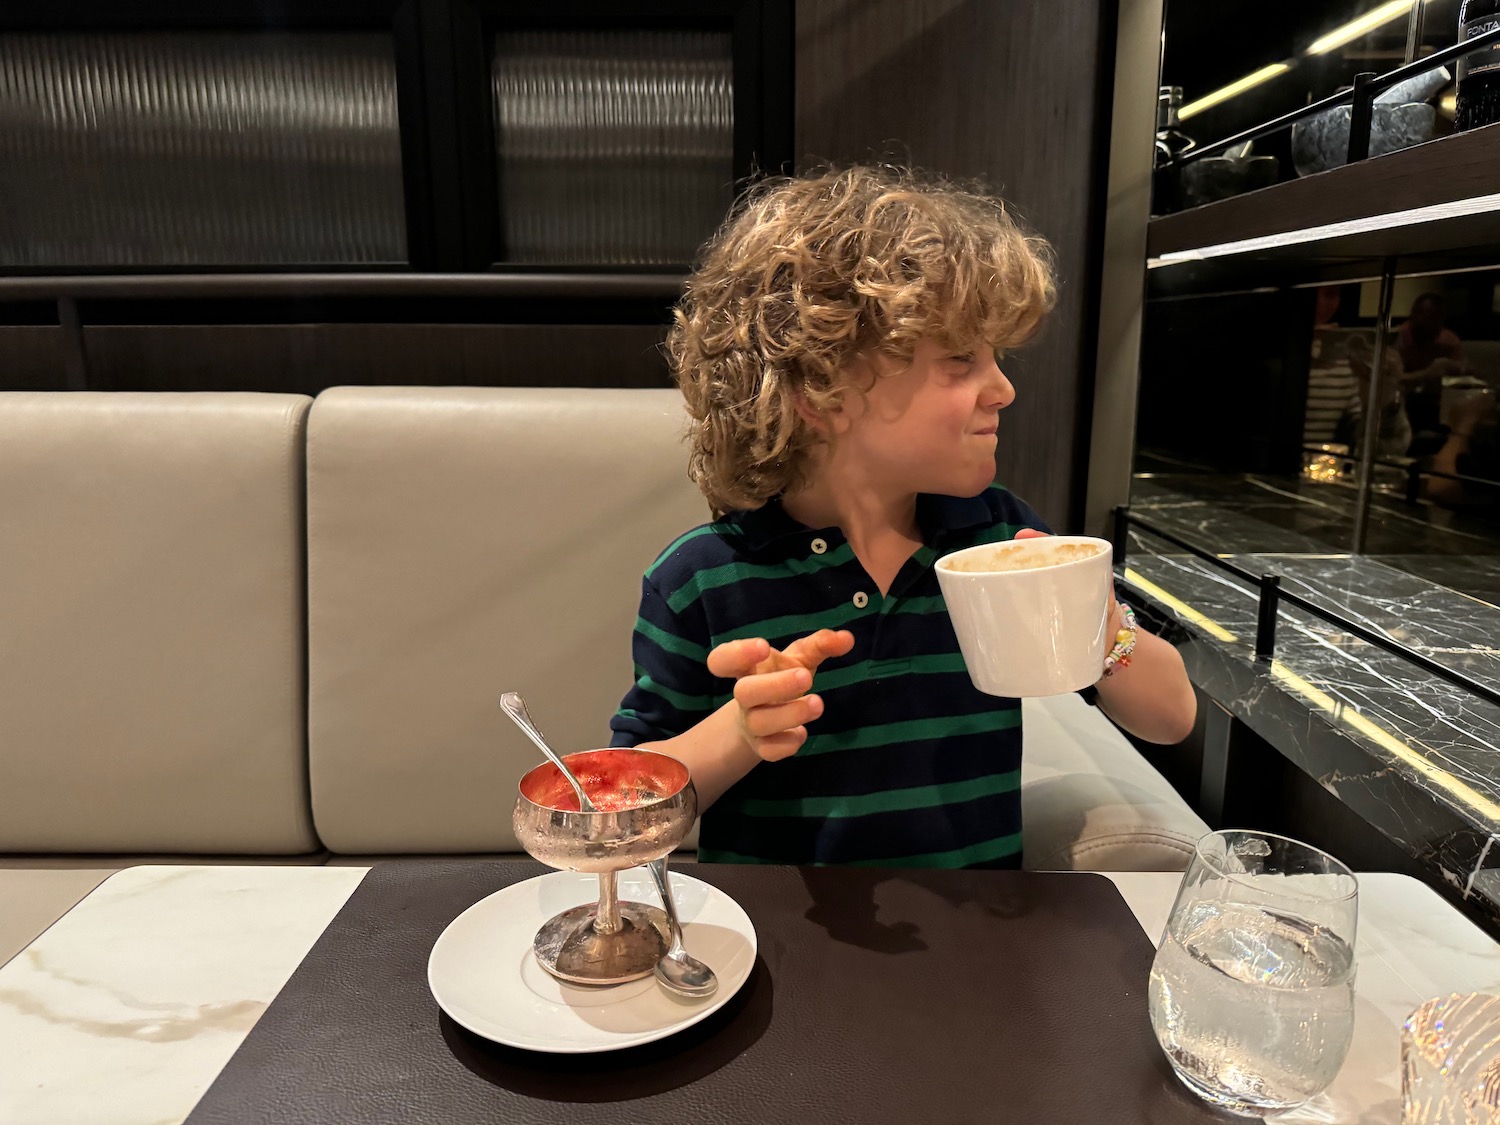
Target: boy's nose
[999,392]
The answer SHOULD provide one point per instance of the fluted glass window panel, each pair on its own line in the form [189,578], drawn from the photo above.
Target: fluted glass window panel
[199,149]
[615,147]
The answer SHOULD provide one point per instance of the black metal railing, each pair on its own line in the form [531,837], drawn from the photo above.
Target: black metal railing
[1361,98]
[1271,597]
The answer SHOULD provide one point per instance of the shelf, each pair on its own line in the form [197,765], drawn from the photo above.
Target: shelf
[1437,204]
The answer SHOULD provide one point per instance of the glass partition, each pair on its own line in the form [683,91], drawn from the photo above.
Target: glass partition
[1255,415]
[1435,505]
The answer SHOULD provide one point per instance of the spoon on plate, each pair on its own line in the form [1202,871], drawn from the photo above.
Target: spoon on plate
[678,969]
[514,706]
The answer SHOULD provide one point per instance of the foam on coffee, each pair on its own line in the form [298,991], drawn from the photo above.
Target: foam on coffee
[1030,554]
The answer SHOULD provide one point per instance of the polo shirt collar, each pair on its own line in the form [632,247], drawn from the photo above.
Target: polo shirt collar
[760,527]
[937,518]
[941,516]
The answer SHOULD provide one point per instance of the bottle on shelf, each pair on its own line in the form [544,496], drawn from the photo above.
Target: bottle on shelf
[1171,142]
[1479,71]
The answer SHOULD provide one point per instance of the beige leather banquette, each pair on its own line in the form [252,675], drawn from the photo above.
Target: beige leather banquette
[264,628]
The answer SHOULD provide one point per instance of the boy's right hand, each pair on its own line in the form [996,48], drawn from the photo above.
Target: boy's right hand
[771,688]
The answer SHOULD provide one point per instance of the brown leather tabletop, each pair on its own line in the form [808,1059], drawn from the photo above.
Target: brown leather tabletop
[877,996]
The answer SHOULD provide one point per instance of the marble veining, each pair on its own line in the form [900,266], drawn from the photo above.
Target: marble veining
[126,1009]
[162,1023]
[1251,513]
[1415,755]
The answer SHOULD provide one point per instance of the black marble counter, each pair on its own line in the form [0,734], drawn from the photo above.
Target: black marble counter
[1253,512]
[1416,757]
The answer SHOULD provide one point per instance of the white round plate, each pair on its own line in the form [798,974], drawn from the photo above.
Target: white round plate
[482,972]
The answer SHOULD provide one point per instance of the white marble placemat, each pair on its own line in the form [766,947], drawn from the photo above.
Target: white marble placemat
[129,1006]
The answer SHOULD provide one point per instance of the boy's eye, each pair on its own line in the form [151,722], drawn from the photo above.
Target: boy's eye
[962,358]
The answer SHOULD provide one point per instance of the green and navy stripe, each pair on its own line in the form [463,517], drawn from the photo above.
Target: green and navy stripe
[909,765]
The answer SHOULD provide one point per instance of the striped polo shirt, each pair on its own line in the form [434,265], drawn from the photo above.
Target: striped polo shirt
[909,765]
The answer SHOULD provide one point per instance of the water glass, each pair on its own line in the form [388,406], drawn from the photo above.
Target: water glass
[1450,1062]
[1252,989]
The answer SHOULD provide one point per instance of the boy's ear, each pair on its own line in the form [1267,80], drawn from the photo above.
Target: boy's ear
[818,422]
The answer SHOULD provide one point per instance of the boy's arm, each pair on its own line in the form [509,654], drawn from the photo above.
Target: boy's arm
[714,751]
[1152,698]
[765,721]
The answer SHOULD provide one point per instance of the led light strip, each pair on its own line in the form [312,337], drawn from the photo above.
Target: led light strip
[1234,89]
[1349,32]
[1208,624]
[1336,709]
[1344,713]
[1474,205]
[1376,17]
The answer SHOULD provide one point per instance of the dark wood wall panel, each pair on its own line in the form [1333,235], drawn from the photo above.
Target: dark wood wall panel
[1010,90]
[306,358]
[31,358]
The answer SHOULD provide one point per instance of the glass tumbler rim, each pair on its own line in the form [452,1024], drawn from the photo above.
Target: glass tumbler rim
[1338,865]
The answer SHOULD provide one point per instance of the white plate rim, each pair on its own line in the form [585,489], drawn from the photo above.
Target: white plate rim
[693,1016]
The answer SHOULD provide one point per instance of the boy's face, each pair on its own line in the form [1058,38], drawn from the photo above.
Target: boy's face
[929,426]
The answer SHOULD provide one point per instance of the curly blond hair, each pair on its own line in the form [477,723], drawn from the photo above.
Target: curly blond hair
[808,274]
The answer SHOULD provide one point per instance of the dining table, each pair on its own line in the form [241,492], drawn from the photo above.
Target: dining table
[328,994]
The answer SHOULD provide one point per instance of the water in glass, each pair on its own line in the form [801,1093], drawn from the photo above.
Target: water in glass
[1249,1002]
[1252,989]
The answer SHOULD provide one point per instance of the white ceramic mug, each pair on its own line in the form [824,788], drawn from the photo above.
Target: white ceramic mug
[1040,629]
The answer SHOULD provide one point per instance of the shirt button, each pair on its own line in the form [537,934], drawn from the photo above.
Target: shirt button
[861,600]
[819,546]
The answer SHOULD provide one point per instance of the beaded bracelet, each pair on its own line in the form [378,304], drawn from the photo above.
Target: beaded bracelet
[1119,656]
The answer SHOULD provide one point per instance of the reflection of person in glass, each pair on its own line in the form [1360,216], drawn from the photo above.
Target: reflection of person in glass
[1430,352]
[1330,381]
[1471,449]
[1394,433]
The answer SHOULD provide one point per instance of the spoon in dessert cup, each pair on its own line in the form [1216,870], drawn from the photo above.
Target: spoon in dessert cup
[514,706]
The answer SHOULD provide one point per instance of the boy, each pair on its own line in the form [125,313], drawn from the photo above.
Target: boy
[839,351]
